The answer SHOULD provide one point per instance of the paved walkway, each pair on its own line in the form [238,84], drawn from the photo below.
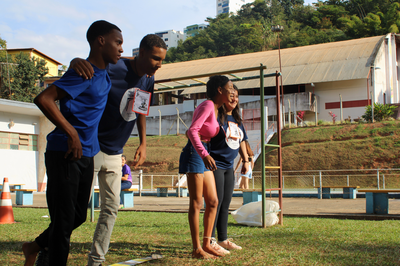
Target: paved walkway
[307,207]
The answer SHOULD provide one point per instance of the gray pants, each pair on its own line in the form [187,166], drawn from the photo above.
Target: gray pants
[108,169]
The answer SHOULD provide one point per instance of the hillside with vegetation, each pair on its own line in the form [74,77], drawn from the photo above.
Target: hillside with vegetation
[340,146]
[347,146]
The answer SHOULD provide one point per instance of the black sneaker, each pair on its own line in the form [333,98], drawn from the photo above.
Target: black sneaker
[42,258]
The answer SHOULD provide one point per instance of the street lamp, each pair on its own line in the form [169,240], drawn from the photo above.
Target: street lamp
[277,29]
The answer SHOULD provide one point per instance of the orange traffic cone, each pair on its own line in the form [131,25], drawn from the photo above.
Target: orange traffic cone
[6,212]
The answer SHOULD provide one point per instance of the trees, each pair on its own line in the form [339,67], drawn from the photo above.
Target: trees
[20,76]
[325,21]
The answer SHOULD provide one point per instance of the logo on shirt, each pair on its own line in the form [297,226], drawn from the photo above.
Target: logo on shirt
[233,136]
[125,107]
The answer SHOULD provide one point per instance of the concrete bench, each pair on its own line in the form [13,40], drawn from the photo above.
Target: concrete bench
[162,191]
[349,192]
[377,200]
[252,195]
[127,197]
[23,196]
[13,186]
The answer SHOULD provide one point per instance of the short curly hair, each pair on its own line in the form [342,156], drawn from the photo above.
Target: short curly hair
[99,28]
[151,40]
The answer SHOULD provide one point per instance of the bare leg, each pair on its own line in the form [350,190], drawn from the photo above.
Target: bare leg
[30,250]
[241,185]
[195,186]
[246,184]
[211,199]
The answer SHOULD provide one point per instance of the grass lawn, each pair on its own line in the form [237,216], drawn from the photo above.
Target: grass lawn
[301,241]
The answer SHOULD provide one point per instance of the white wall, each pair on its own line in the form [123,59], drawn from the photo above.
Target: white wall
[22,123]
[378,76]
[19,166]
[351,90]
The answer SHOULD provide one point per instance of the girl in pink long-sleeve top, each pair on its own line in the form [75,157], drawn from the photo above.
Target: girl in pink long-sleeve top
[197,164]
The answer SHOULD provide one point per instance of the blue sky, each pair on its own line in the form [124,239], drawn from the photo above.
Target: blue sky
[58,28]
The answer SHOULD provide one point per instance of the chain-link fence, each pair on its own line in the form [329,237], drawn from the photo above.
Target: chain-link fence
[301,181]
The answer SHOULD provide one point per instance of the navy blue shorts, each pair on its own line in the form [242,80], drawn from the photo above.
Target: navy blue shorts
[190,161]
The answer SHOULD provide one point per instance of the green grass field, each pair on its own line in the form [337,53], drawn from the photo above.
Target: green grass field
[300,241]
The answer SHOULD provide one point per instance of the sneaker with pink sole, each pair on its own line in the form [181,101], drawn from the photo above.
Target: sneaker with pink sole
[226,244]
[218,248]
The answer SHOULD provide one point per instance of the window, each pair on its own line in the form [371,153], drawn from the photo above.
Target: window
[18,141]
[166,39]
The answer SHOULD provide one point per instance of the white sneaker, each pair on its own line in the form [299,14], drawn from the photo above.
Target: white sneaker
[218,248]
[229,245]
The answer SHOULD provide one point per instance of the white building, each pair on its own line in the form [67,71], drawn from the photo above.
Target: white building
[354,72]
[228,6]
[135,52]
[193,30]
[171,37]
[23,131]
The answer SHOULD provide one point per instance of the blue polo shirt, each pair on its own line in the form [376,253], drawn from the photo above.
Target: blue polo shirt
[83,108]
[224,148]
[118,119]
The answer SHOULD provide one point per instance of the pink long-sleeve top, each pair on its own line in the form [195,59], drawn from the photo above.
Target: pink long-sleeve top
[205,123]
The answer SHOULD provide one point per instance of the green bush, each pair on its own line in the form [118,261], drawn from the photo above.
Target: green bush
[381,112]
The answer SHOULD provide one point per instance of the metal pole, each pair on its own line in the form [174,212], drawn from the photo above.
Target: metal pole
[262,145]
[383,180]
[320,184]
[377,177]
[316,110]
[159,123]
[348,181]
[179,187]
[372,107]
[140,182]
[341,109]
[280,70]
[151,183]
[92,206]
[289,116]
[278,108]
[177,121]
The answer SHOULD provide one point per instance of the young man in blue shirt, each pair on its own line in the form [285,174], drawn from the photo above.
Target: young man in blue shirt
[73,143]
[115,128]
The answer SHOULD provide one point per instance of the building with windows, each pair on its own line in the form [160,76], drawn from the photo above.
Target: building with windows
[51,64]
[193,30]
[23,131]
[171,37]
[230,6]
[341,77]
[135,52]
